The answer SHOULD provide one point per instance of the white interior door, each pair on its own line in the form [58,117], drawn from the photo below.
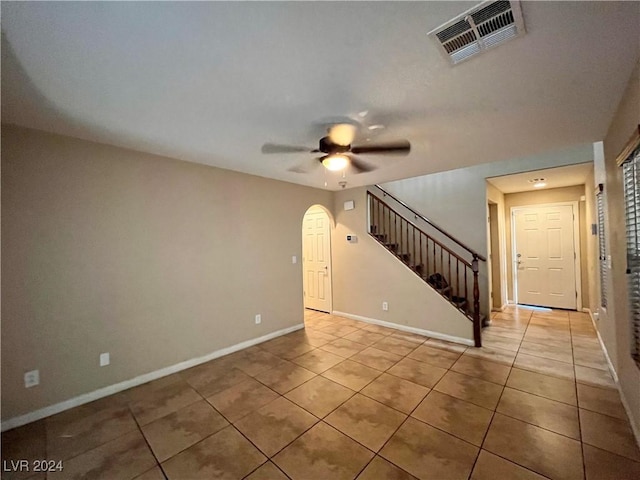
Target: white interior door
[544,251]
[316,260]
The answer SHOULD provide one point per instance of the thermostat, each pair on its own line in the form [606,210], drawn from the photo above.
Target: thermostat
[352,239]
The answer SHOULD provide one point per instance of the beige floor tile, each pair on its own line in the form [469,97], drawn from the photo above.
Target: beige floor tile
[555,388]
[352,375]
[428,453]
[552,352]
[544,366]
[257,361]
[474,390]
[285,377]
[395,392]
[276,425]
[242,399]
[491,467]
[555,416]
[154,474]
[503,332]
[484,369]
[459,418]
[434,356]
[369,422]
[365,337]
[417,372]
[320,396]
[547,453]
[318,360]
[601,400]
[410,337]
[608,433]
[378,359]
[210,381]
[496,341]
[444,345]
[343,347]
[290,348]
[155,387]
[267,471]
[164,401]
[594,377]
[590,358]
[380,469]
[315,338]
[497,355]
[322,453]
[603,465]
[23,443]
[396,345]
[226,454]
[370,327]
[124,457]
[70,434]
[338,330]
[179,430]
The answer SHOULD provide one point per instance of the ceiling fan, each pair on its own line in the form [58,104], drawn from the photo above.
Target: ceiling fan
[338,151]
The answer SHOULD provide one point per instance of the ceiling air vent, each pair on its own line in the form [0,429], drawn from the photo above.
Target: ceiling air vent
[484,26]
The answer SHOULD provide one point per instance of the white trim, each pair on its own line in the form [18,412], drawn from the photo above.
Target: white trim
[635,428]
[575,208]
[139,380]
[406,328]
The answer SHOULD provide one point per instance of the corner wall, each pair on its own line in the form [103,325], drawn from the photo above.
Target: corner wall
[614,324]
[154,260]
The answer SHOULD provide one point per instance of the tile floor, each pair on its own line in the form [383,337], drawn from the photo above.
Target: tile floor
[344,399]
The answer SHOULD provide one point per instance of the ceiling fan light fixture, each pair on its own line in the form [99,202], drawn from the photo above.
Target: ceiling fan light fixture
[335,163]
[342,134]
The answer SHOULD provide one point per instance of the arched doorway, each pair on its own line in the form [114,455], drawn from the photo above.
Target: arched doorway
[316,259]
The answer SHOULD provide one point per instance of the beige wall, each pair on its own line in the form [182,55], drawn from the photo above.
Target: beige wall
[591,253]
[365,274]
[499,258]
[614,322]
[552,195]
[154,260]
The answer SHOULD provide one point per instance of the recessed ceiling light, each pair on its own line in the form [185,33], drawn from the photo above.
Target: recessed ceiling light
[539,185]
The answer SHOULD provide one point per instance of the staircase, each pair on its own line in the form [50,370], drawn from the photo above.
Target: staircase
[447,272]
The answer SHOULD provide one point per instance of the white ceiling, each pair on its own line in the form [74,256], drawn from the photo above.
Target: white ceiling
[558,177]
[210,82]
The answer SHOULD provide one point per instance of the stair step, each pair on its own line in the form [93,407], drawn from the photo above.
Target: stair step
[381,236]
[404,256]
[392,246]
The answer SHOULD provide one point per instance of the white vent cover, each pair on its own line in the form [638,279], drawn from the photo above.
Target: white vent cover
[484,26]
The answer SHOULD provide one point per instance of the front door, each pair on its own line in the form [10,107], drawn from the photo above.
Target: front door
[316,260]
[544,252]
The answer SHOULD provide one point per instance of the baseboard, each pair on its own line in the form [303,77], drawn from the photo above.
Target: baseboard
[406,328]
[612,369]
[134,382]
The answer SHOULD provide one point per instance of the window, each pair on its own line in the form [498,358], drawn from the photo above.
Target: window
[602,248]
[631,179]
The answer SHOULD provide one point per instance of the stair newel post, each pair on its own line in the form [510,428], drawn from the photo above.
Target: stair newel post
[476,302]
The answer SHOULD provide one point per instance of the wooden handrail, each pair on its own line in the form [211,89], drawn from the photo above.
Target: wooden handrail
[436,242]
[443,232]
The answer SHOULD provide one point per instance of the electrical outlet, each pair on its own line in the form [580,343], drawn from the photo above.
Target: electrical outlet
[294,259]
[258,319]
[385,306]
[104,359]
[32,378]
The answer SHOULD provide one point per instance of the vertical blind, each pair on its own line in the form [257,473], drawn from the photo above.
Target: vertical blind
[602,256]
[631,178]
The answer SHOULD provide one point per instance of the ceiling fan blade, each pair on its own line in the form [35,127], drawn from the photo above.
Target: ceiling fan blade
[400,147]
[277,148]
[306,166]
[359,165]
